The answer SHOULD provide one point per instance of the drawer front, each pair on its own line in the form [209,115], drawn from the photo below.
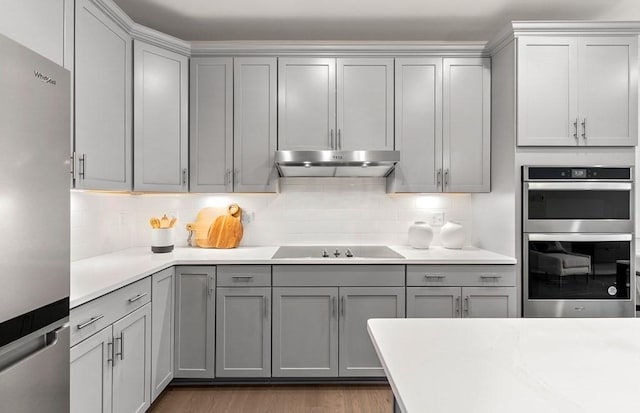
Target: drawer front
[324,275]
[95,315]
[244,276]
[461,275]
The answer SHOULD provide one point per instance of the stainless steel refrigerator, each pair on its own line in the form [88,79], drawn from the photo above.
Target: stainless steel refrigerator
[34,231]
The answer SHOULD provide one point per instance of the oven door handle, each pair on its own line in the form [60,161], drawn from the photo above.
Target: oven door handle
[579,237]
[579,186]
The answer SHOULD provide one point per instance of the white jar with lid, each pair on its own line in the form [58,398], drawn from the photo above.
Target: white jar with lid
[420,235]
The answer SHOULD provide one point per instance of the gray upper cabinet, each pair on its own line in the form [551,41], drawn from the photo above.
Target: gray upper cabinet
[162,330]
[195,321]
[103,71]
[132,361]
[306,103]
[364,106]
[160,119]
[91,373]
[568,94]
[254,124]
[466,126]
[305,332]
[433,302]
[418,124]
[358,357]
[211,140]
[243,332]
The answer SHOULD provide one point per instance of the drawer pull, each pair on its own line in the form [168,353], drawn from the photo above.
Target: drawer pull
[137,297]
[434,277]
[90,321]
[242,277]
[490,277]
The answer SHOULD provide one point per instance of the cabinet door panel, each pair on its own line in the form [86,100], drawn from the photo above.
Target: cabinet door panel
[195,318]
[255,124]
[433,302]
[243,332]
[162,330]
[358,357]
[102,100]
[211,140]
[305,332]
[608,86]
[160,119]
[489,302]
[132,362]
[365,104]
[547,91]
[466,125]
[418,124]
[91,373]
[306,103]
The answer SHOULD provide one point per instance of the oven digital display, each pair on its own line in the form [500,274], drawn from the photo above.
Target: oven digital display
[578,173]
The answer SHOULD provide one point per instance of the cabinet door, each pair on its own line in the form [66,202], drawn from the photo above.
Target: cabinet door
[132,362]
[162,330]
[306,103]
[243,332]
[255,124]
[418,124]
[357,305]
[547,91]
[608,90]
[305,332]
[466,124]
[211,141]
[160,88]
[195,318]
[433,302]
[91,373]
[489,302]
[102,101]
[364,109]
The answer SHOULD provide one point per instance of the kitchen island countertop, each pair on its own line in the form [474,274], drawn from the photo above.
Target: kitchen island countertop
[96,276]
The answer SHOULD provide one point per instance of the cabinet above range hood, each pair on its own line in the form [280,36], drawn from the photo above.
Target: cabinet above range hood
[336,163]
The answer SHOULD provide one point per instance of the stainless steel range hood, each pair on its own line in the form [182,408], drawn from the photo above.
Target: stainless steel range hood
[336,163]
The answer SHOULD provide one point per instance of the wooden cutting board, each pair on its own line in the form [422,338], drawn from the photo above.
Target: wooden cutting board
[227,231]
[200,227]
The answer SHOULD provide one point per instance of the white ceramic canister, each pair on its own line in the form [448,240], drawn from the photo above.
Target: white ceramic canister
[162,239]
[420,235]
[453,235]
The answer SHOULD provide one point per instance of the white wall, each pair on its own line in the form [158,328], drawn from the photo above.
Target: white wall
[306,211]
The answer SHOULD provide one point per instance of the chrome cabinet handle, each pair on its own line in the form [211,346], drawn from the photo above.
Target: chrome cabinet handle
[137,297]
[110,352]
[227,177]
[81,165]
[584,128]
[339,139]
[266,306]
[184,176]
[241,276]
[333,306]
[90,321]
[490,277]
[467,308]
[575,129]
[458,305]
[121,340]
[435,277]
[343,307]
[331,144]
[439,178]
[446,177]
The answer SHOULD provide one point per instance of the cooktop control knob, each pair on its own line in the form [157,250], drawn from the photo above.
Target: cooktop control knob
[348,253]
[337,253]
[325,253]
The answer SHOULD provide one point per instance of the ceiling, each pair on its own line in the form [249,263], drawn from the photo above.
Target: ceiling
[427,20]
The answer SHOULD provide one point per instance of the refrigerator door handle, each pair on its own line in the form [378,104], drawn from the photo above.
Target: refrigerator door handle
[36,344]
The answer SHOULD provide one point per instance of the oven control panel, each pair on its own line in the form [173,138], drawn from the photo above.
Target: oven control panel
[546,173]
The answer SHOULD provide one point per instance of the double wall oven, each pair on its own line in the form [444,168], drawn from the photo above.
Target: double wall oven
[578,241]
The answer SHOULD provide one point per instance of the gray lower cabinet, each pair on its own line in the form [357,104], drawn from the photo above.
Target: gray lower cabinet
[91,373]
[433,302]
[195,322]
[243,332]
[132,362]
[466,302]
[489,302]
[162,330]
[305,332]
[357,305]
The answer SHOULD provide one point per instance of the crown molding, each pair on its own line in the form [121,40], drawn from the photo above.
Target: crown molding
[140,32]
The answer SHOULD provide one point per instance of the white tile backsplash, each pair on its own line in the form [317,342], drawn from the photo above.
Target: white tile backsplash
[306,211]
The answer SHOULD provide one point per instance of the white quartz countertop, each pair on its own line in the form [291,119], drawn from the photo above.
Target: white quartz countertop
[96,276]
[519,365]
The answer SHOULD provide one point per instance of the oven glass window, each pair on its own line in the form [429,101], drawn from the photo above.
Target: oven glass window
[584,204]
[579,270]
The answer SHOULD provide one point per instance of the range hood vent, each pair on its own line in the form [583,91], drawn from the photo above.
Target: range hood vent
[336,163]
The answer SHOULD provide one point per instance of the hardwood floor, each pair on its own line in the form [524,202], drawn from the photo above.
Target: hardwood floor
[369,398]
